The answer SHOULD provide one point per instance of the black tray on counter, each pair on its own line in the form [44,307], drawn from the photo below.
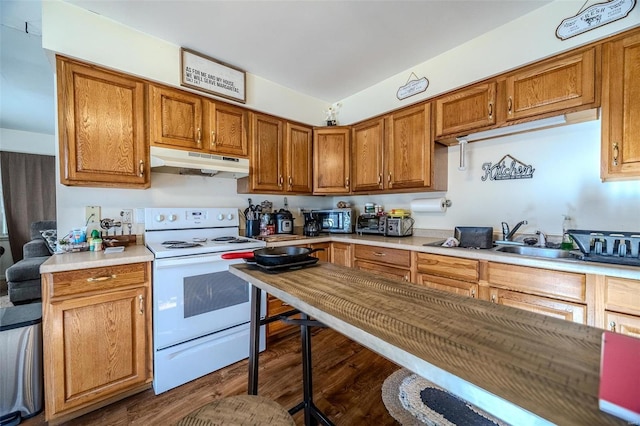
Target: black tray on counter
[309,261]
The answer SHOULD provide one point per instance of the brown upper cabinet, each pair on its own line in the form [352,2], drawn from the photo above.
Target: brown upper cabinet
[396,152]
[620,157]
[280,160]
[226,128]
[552,86]
[187,121]
[102,128]
[563,84]
[466,110]
[331,160]
[266,160]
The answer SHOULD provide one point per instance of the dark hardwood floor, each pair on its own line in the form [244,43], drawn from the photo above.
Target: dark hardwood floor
[347,379]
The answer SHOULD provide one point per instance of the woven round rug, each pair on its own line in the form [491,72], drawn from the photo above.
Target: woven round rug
[414,401]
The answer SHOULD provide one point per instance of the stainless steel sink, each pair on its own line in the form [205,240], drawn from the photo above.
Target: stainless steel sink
[539,252]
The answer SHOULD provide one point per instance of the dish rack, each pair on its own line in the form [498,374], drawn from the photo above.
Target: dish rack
[621,248]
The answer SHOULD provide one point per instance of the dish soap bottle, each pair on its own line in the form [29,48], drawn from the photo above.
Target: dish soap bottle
[567,241]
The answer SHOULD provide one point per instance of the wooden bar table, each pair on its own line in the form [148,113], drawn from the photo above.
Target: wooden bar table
[519,366]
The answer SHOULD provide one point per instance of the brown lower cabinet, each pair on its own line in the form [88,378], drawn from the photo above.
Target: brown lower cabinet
[387,262]
[98,347]
[447,273]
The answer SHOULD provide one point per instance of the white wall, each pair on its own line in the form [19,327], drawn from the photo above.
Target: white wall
[522,41]
[566,181]
[27,142]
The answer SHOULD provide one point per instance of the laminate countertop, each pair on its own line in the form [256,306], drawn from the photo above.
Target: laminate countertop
[417,243]
[95,259]
[520,366]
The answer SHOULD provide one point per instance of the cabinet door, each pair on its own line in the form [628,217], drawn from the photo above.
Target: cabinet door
[367,152]
[266,159]
[102,127]
[226,129]
[620,158]
[622,295]
[620,323]
[463,288]
[384,270]
[96,347]
[324,254]
[552,86]
[466,110]
[176,118]
[341,254]
[298,155]
[409,150]
[331,161]
[542,305]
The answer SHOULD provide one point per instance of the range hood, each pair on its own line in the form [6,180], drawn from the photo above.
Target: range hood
[166,160]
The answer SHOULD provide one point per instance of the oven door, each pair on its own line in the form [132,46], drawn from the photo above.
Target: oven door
[194,296]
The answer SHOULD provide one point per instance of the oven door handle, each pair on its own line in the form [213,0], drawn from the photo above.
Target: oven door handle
[189,260]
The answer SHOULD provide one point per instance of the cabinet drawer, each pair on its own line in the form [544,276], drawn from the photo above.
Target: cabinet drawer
[97,279]
[542,305]
[544,282]
[384,255]
[384,270]
[447,266]
[622,295]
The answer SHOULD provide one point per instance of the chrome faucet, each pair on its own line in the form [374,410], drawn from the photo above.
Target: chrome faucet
[508,234]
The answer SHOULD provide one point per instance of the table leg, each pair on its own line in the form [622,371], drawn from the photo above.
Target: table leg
[254,340]
[307,377]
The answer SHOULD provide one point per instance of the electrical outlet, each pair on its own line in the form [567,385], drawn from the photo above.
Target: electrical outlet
[92,214]
[126,215]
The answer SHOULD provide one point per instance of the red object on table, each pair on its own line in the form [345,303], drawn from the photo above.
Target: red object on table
[620,376]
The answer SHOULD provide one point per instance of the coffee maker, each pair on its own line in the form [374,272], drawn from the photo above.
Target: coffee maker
[312,225]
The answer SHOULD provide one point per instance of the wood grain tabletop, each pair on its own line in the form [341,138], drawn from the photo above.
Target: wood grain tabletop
[547,366]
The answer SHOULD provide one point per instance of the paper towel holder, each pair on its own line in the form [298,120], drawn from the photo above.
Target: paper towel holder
[446,203]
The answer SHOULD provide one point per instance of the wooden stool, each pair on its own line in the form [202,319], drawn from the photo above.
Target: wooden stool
[249,410]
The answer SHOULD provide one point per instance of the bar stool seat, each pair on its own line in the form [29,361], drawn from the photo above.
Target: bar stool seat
[248,410]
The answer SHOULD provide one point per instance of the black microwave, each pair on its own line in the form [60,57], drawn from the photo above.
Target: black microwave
[339,221]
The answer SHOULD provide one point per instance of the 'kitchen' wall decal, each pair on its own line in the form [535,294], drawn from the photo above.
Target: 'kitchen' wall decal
[500,171]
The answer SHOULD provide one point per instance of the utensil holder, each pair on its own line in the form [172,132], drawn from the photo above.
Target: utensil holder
[252,228]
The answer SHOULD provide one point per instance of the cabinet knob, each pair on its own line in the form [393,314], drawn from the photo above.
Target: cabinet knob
[510,106]
[199,138]
[141,168]
[612,326]
[280,181]
[380,180]
[493,298]
[616,153]
[346,182]
[141,304]
[473,294]
[290,181]
[490,110]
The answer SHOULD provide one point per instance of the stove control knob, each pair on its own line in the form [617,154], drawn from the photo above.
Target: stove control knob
[230,216]
[159,218]
[172,218]
[220,216]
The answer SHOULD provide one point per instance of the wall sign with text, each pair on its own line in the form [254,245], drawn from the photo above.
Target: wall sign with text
[506,169]
[208,75]
[412,87]
[593,17]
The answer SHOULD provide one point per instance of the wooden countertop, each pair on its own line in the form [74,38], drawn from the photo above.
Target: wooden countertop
[95,259]
[547,366]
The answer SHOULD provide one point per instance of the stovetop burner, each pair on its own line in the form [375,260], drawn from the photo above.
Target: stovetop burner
[182,245]
[230,240]
[172,242]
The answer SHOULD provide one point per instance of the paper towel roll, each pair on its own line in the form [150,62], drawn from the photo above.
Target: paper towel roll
[429,205]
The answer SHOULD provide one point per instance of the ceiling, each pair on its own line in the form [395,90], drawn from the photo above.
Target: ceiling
[325,49]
